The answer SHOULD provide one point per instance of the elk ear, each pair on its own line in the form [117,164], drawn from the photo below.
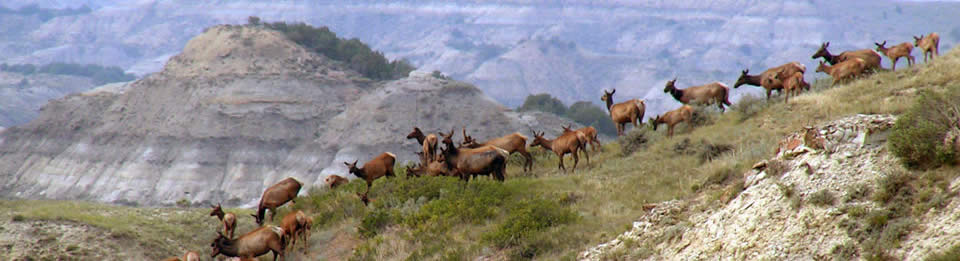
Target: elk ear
[613,91]
[745,71]
[827,44]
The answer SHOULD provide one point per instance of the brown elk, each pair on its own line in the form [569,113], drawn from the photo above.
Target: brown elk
[707,94]
[334,181]
[429,143]
[895,52]
[307,225]
[470,162]
[757,80]
[590,132]
[293,224]
[275,196]
[672,118]
[250,245]
[229,220]
[871,59]
[379,166]
[433,169]
[571,142]
[845,70]
[791,84]
[630,111]
[930,44]
[512,143]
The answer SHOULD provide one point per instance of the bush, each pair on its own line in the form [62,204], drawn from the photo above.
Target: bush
[372,223]
[528,219]
[951,254]
[633,140]
[918,135]
[822,198]
[748,106]
[353,52]
[545,103]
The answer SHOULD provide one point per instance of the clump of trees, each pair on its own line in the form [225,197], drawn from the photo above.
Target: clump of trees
[353,52]
[928,135]
[582,112]
[99,74]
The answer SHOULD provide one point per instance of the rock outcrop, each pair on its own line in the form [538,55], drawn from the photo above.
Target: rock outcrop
[239,109]
[765,221]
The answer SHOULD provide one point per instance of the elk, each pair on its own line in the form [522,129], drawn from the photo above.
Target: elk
[293,224]
[672,118]
[844,70]
[895,52]
[429,143]
[512,143]
[334,181]
[307,226]
[706,94]
[229,220]
[275,196]
[571,142]
[433,169]
[871,59]
[470,162]
[930,44]
[250,245]
[630,111]
[757,80]
[791,84]
[379,166]
[590,132]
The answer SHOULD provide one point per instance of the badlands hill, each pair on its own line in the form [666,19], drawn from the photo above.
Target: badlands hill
[239,109]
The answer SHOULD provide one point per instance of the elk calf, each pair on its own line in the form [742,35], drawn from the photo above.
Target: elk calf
[293,224]
[229,220]
[895,52]
[672,118]
[571,142]
[707,94]
[630,111]
[334,181]
[275,196]
[590,132]
[250,245]
[379,166]
[845,70]
[930,44]
[758,80]
[429,143]
[791,84]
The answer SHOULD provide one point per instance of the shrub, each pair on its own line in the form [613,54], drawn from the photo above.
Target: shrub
[545,103]
[918,135]
[857,192]
[950,255]
[528,219]
[822,198]
[372,223]
[748,106]
[633,140]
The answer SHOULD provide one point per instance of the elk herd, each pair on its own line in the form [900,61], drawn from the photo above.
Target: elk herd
[439,155]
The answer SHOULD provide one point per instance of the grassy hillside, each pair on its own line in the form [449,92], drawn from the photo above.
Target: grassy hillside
[545,214]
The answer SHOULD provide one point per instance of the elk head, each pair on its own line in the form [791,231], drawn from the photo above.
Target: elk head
[822,52]
[447,138]
[916,40]
[607,95]
[655,121]
[822,67]
[743,78]
[352,166]
[217,210]
[880,46]
[415,134]
[671,85]
[538,139]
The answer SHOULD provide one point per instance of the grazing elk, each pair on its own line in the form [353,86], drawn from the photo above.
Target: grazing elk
[512,143]
[470,162]
[871,59]
[379,166]
[250,245]
[571,142]
[895,52]
[630,111]
[672,118]
[229,220]
[435,168]
[429,143]
[845,70]
[275,196]
[930,44]
[706,94]
[757,80]
[334,181]
[791,84]
[590,132]
[293,224]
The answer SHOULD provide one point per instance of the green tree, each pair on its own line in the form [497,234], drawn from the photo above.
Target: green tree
[545,103]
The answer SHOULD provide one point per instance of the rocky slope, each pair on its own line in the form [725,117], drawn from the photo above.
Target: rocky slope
[239,109]
[21,96]
[766,222]
[510,49]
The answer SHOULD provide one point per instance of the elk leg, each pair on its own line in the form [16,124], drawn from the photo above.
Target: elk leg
[561,162]
[768,93]
[585,153]
[529,164]
[576,159]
